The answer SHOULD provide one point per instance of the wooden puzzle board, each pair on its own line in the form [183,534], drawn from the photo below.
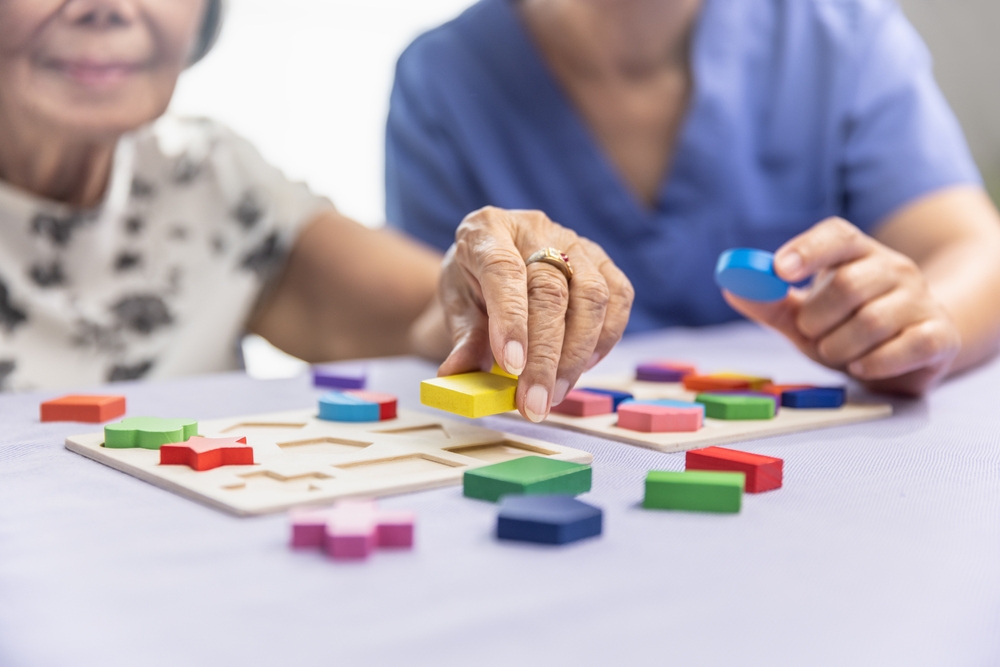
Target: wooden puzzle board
[303,460]
[715,431]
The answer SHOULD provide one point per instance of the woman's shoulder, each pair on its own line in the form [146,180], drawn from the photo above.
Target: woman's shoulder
[846,20]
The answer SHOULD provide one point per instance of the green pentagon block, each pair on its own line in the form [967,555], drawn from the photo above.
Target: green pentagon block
[528,475]
[734,406]
[148,432]
[696,491]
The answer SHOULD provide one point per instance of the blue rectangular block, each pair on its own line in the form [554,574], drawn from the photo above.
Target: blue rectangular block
[616,396]
[816,397]
[669,403]
[547,519]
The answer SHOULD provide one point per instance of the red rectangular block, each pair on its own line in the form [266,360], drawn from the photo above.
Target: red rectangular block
[658,418]
[711,383]
[763,473]
[585,404]
[83,408]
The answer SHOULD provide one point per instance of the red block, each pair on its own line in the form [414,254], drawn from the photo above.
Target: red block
[763,473]
[711,383]
[206,453]
[779,389]
[585,404]
[91,409]
[386,402]
[658,418]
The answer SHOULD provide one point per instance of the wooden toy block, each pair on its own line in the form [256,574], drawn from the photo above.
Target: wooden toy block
[779,389]
[585,404]
[207,453]
[814,397]
[755,394]
[83,408]
[351,530]
[530,475]
[357,406]
[340,376]
[735,406]
[148,432]
[714,383]
[659,418]
[547,519]
[763,473]
[498,370]
[698,491]
[663,371]
[668,403]
[617,397]
[749,274]
[299,459]
[754,382]
[470,394]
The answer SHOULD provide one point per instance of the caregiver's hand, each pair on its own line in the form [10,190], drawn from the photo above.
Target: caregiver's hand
[869,311]
[534,322]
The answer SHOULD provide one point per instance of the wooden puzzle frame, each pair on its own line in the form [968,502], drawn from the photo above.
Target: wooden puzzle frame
[715,431]
[303,460]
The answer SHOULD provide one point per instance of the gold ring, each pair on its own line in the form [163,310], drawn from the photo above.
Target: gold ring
[554,257]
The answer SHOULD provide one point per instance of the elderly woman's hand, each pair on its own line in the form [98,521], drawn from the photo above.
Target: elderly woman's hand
[535,322]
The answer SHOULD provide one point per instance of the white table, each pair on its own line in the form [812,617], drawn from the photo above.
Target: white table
[883,548]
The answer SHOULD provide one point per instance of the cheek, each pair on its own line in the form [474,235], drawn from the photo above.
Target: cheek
[20,23]
[176,25]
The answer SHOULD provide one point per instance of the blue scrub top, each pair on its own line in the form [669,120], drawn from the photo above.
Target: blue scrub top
[801,109]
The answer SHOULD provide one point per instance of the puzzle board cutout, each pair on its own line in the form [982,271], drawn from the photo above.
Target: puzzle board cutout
[303,460]
[715,431]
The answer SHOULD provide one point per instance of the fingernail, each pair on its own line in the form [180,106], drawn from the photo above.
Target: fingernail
[789,264]
[536,403]
[593,361]
[513,357]
[562,388]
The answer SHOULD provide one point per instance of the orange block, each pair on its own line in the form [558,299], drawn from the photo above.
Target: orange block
[81,408]
[714,383]
[755,382]
[779,389]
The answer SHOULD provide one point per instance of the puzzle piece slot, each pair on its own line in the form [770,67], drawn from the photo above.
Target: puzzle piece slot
[267,425]
[428,428]
[270,481]
[323,446]
[400,465]
[496,452]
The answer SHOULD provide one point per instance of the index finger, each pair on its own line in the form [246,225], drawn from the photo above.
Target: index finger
[827,244]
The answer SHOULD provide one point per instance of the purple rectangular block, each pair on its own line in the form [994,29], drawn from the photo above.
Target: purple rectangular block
[340,376]
[652,373]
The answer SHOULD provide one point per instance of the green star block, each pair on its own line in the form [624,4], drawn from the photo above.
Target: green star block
[733,406]
[148,432]
[528,475]
[696,491]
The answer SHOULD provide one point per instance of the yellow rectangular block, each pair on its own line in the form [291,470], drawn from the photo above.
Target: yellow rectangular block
[470,394]
[497,370]
[755,382]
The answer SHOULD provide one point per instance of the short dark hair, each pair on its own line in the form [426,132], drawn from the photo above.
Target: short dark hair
[211,26]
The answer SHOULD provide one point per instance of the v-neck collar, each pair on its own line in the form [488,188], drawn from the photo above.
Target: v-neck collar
[540,97]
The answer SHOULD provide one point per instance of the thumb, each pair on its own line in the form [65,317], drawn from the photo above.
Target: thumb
[472,352]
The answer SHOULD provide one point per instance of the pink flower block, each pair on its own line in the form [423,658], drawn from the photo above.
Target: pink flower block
[658,418]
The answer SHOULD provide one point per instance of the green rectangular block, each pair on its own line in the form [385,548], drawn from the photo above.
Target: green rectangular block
[726,406]
[696,491]
[528,475]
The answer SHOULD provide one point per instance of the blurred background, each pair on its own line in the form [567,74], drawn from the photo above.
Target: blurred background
[308,81]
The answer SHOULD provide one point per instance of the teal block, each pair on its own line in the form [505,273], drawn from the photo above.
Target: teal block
[340,407]
[528,475]
[696,491]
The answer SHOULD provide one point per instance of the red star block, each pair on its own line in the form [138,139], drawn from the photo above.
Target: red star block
[206,453]
[90,409]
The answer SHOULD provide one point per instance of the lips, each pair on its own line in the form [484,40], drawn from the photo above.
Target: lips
[91,73]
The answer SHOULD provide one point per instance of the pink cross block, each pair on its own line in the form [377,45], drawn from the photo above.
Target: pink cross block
[352,529]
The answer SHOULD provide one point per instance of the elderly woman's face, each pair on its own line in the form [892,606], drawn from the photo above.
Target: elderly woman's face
[96,67]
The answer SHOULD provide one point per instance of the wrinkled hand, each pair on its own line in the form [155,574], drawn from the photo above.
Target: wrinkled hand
[869,311]
[528,318]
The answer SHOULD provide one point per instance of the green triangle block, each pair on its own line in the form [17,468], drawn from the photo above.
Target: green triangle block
[148,432]
[733,406]
[528,475]
[696,491]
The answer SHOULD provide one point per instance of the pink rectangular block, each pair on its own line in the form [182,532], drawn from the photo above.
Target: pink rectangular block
[585,404]
[658,418]
[395,529]
[308,528]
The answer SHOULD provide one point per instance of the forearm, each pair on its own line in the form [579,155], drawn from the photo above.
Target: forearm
[348,292]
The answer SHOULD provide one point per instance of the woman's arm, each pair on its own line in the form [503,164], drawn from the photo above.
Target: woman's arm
[349,291]
[902,310]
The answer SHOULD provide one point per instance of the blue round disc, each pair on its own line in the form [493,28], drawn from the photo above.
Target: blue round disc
[749,273]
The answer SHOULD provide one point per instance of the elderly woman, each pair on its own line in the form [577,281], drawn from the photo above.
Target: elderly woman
[132,248]
[670,130]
